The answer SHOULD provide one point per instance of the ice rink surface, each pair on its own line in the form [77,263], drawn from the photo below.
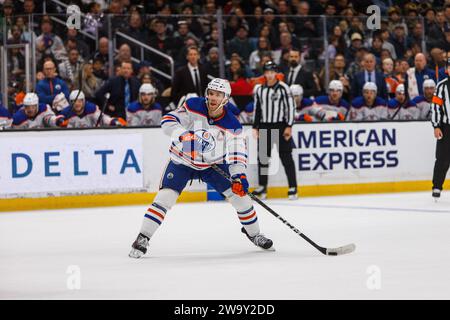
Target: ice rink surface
[402,252]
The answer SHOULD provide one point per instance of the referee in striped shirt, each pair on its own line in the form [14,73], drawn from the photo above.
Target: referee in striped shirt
[274,116]
[440,107]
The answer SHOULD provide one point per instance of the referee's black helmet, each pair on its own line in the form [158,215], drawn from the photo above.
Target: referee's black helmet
[270,65]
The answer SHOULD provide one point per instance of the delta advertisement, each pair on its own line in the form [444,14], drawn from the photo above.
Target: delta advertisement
[60,163]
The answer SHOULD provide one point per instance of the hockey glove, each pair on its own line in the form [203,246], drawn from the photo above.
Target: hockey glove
[60,121]
[239,184]
[118,122]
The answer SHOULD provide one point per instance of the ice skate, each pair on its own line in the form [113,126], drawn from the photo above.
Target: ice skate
[260,192]
[436,194]
[139,247]
[260,241]
[292,194]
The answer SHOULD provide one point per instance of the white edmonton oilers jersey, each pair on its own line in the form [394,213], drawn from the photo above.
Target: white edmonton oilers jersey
[88,118]
[137,115]
[424,107]
[45,117]
[221,140]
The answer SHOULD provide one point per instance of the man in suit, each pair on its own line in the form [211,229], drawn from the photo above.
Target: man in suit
[191,78]
[297,75]
[123,90]
[369,74]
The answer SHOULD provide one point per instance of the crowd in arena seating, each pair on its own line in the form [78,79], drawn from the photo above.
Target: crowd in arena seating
[387,73]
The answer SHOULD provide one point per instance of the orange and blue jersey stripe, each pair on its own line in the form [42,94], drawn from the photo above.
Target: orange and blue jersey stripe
[169,118]
[156,213]
[248,216]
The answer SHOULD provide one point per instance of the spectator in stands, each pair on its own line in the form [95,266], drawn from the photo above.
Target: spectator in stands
[194,26]
[377,46]
[211,40]
[391,81]
[16,35]
[49,87]
[240,44]
[16,64]
[398,40]
[103,50]
[297,75]
[146,70]
[124,55]
[416,36]
[437,63]
[89,82]
[238,78]
[369,106]
[161,40]
[356,42]
[26,35]
[304,25]
[255,56]
[70,68]
[98,69]
[136,31]
[265,56]
[385,36]
[416,75]
[49,43]
[255,21]
[8,12]
[401,107]
[80,43]
[212,63]
[191,78]
[369,74]
[179,42]
[123,89]
[92,20]
[285,45]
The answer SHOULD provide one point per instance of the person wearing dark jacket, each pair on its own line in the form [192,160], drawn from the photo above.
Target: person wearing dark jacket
[296,74]
[369,74]
[191,78]
[123,90]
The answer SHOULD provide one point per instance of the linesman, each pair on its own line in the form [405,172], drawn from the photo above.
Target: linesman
[274,116]
[440,107]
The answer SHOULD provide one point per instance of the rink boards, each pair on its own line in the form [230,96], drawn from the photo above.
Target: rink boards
[77,168]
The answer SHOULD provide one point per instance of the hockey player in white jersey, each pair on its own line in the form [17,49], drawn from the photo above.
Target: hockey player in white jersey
[302,105]
[331,107]
[400,107]
[204,132]
[423,102]
[85,114]
[146,111]
[35,115]
[368,107]
[5,118]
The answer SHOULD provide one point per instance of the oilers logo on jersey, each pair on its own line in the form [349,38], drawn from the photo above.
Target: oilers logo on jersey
[206,140]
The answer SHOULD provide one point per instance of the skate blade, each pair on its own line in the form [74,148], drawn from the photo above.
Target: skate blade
[135,254]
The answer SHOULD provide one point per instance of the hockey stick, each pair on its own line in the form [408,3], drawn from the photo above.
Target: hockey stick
[107,95]
[327,251]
